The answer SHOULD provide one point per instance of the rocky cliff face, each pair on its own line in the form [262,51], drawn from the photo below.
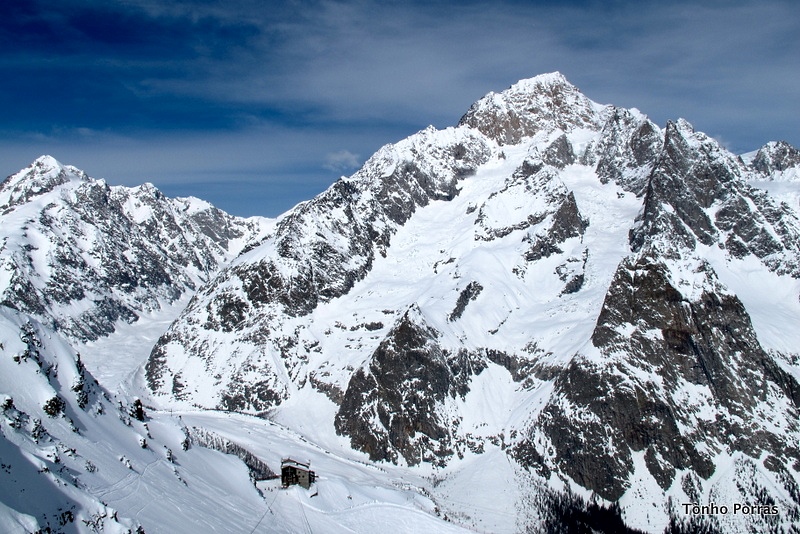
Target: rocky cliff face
[696,195]
[776,156]
[397,406]
[81,255]
[560,280]
[677,375]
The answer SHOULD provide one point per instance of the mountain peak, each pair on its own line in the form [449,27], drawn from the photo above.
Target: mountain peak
[541,80]
[776,156]
[541,104]
[46,160]
[47,166]
[43,175]
[109,252]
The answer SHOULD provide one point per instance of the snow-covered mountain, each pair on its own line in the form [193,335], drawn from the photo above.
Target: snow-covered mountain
[80,456]
[81,255]
[556,315]
[609,303]
[76,458]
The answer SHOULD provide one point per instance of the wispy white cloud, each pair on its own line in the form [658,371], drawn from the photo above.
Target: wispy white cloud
[363,63]
[341,161]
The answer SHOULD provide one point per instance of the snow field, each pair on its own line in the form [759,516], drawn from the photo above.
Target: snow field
[354,496]
[194,490]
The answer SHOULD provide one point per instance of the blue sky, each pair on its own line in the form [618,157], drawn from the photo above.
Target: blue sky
[257,105]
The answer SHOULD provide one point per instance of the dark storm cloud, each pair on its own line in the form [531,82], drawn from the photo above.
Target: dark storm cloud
[272,95]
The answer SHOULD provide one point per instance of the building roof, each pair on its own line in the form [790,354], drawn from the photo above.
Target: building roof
[290,462]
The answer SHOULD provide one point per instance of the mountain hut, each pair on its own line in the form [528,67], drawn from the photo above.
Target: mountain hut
[294,472]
